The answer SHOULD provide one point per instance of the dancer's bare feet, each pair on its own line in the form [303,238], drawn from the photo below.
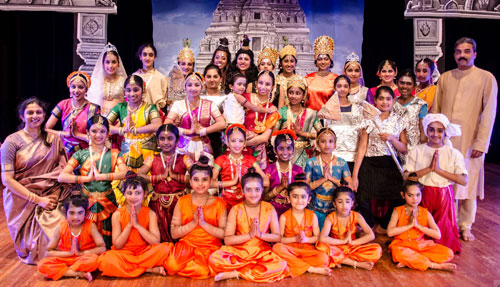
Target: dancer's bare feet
[320,270]
[89,277]
[226,275]
[444,266]
[400,265]
[365,265]
[467,235]
[157,270]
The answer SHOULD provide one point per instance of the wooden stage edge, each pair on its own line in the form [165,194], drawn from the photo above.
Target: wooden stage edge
[478,264]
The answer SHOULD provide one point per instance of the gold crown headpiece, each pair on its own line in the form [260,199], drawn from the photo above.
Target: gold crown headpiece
[296,81]
[324,45]
[78,75]
[268,53]
[186,53]
[288,50]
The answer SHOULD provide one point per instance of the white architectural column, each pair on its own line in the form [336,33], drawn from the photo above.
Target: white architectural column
[92,35]
[427,38]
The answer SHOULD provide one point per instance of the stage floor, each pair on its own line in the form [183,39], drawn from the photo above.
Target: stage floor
[478,264]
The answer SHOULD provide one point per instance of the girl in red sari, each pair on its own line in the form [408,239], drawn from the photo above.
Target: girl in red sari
[233,165]
[168,176]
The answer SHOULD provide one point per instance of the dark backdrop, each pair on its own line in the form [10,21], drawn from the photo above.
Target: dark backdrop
[36,52]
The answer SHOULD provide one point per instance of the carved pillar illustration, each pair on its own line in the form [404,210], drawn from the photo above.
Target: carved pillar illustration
[427,38]
[92,35]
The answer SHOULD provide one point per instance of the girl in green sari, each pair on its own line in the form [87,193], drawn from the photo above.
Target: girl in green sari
[98,167]
[303,121]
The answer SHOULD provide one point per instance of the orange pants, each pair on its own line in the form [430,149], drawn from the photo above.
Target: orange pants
[190,261]
[420,254]
[55,267]
[126,263]
[300,259]
[367,252]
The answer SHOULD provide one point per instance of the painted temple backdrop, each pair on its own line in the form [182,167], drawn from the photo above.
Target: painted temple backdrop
[266,22]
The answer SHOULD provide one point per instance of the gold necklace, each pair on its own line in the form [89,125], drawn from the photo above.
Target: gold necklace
[248,218]
[203,206]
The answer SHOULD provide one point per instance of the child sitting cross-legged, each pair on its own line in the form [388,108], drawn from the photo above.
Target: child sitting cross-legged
[136,236]
[76,244]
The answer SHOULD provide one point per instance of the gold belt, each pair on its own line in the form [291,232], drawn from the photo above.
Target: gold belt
[301,144]
[282,201]
[166,199]
[324,197]
[96,195]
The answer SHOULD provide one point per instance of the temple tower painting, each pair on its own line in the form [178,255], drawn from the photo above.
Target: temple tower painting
[266,22]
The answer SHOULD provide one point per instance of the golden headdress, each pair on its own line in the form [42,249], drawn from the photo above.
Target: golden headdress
[78,75]
[186,53]
[296,81]
[268,53]
[287,49]
[195,76]
[324,45]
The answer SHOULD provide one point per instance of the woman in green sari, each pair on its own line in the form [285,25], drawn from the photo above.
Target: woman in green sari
[303,121]
[98,168]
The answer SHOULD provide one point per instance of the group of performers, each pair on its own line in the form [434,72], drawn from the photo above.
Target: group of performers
[241,173]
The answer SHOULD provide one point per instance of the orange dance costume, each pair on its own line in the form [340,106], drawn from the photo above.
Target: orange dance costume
[137,255]
[411,249]
[254,260]
[370,252]
[189,257]
[55,267]
[300,256]
[228,169]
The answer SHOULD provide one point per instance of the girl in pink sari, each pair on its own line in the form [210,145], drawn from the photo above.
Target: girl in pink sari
[31,162]
[74,114]
[193,116]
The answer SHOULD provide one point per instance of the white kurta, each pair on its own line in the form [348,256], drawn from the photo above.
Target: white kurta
[450,160]
[469,98]
[156,87]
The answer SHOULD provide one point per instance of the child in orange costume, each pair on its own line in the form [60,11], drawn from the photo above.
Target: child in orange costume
[199,220]
[297,240]
[409,224]
[247,253]
[74,249]
[136,236]
[338,236]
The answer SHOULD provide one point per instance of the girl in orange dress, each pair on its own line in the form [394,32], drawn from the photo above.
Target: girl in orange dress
[136,237]
[247,253]
[259,125]
[410,224]
[199,221]
[424,69]
[298,239]
[233,165]
[76,244]
[338,236]
[320,86]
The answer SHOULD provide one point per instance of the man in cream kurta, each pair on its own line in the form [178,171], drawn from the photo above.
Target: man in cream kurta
[468,97]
